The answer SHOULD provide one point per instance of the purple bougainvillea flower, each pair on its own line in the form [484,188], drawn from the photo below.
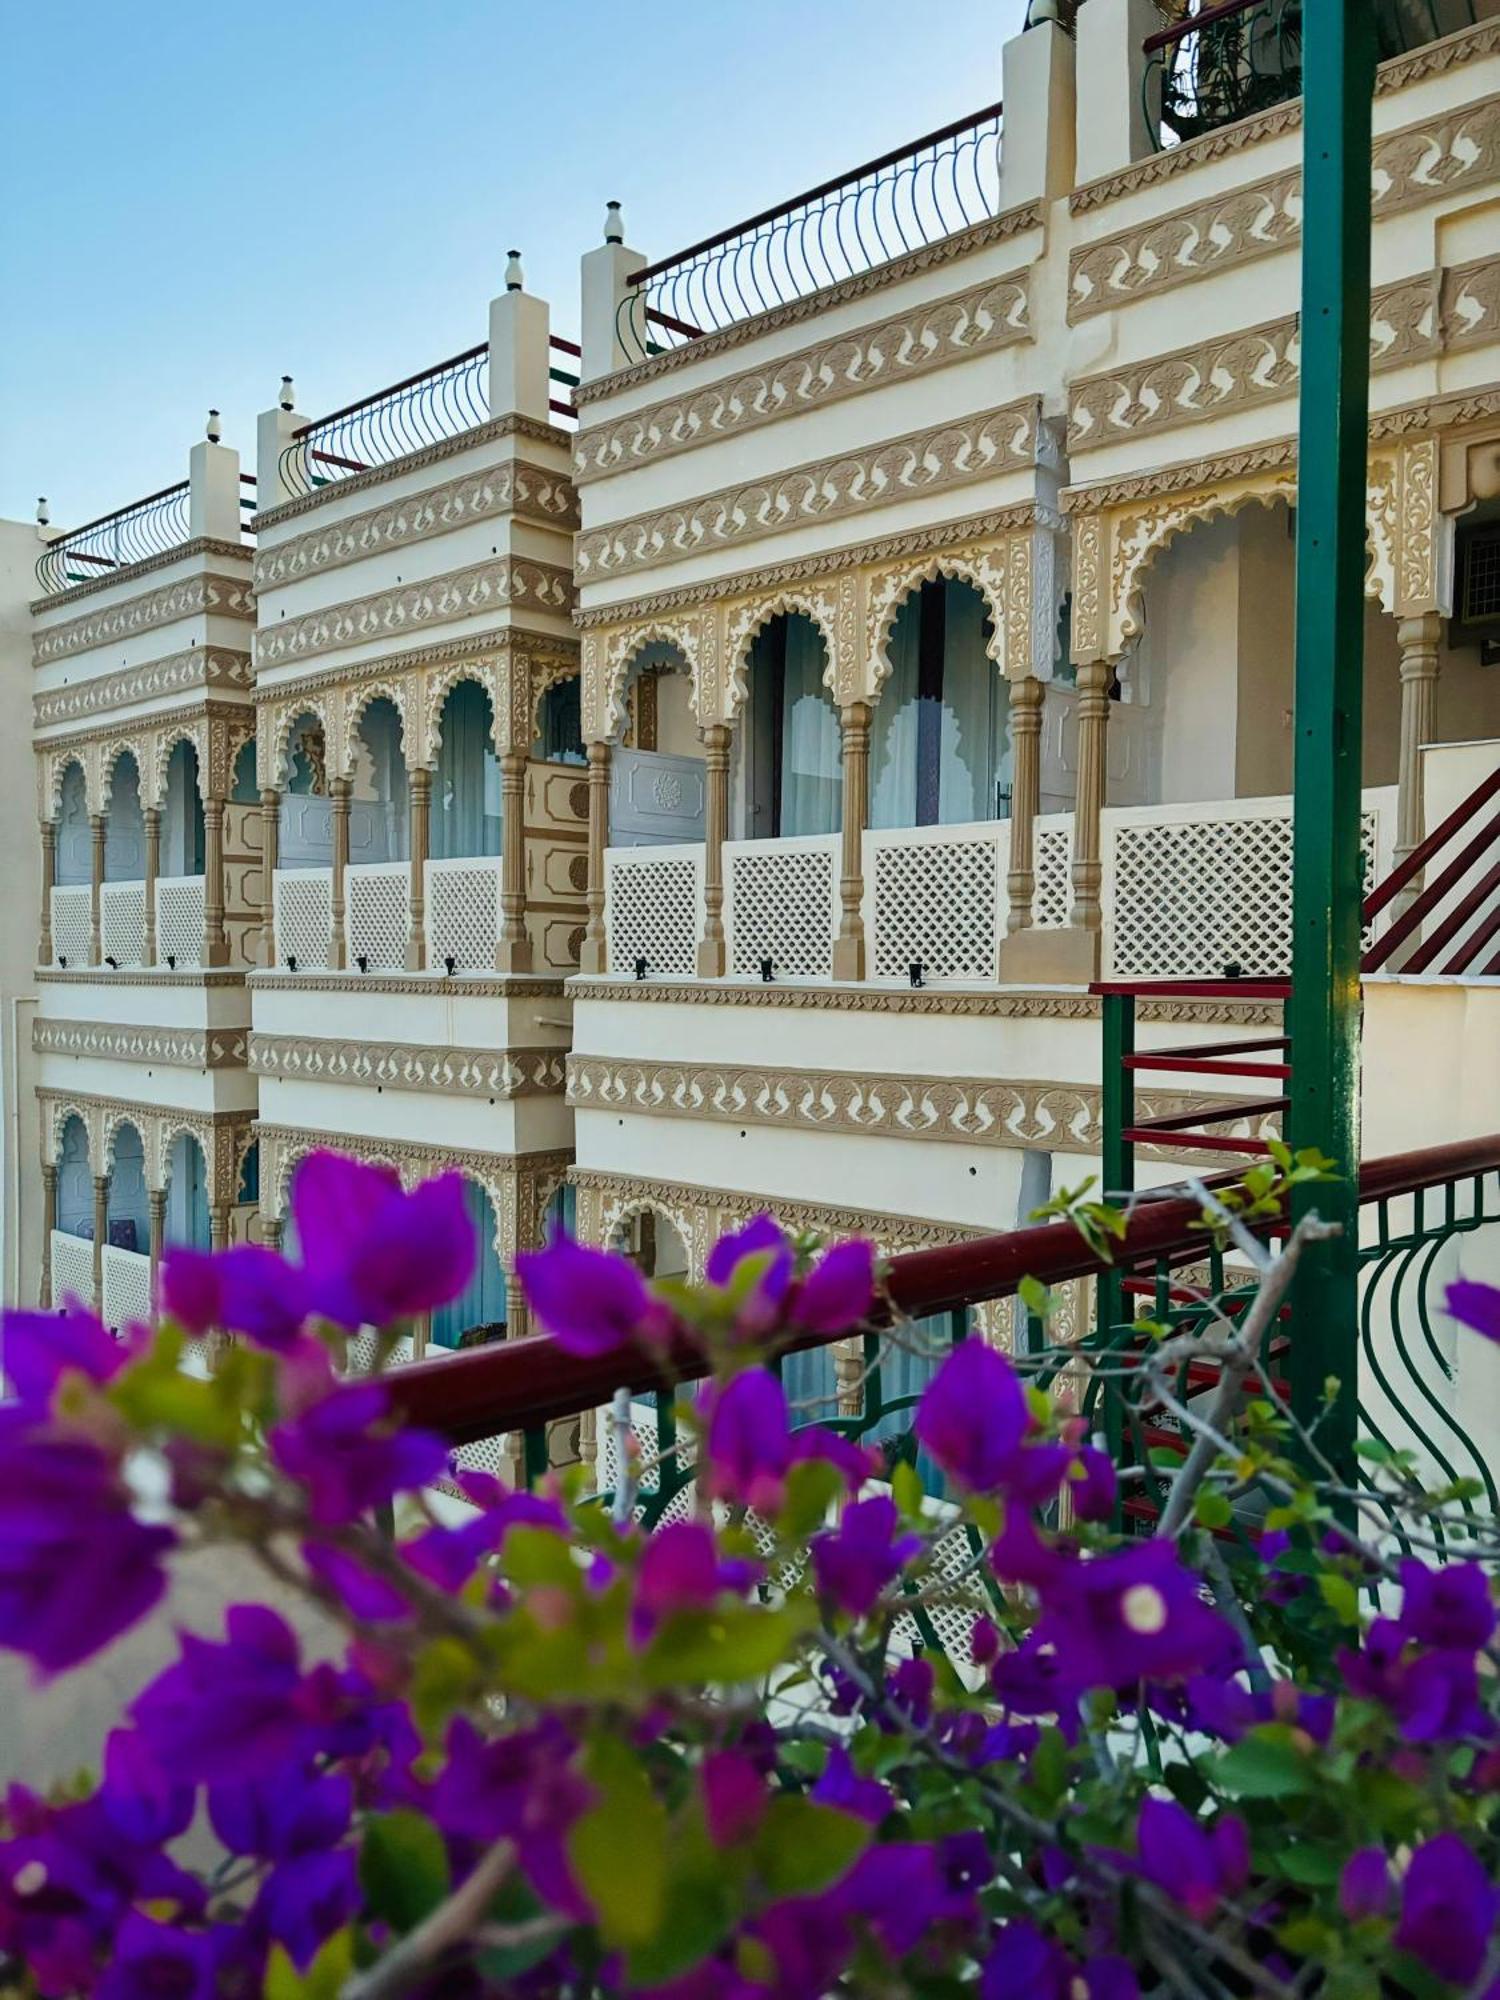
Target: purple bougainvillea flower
[1024,1965]
[372,1599]
[1448,1909]
[855,1562]
[735,1796]
[231,1710]
[145,1804]
[349,1458]
[373,1254]
[1476,1305]
[247,1289]
[1091,1484]
[590,1301]
[1021,1554]
[298,1811]
[758,1261]
[911,1685]
[304,1901]
[1449,1607]
[448,1557]
[843,1787]
[984,1641]
[493,1788]
[836,1292]
[1132,1616]
[1196,1866]
[973,1415]
[749,1446]
[1365,1884]
[1226,1708]
[1434,1695]
[149,1959]
[39,1348]
[76,1567]
[901,1889]
[681,1570]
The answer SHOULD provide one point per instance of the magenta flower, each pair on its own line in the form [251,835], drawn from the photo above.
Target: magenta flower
[304,1901]
[228,1711]
[1197,1867]
[973,1415]
[38,1349]
[855,1563]
[1448,1909]
[836,1293]
[1476,1305]
[763,1245]
[149,1959]
[1449,1607]
[735,1796]
[842,1786]
[590,1301]
[749,1446]
[1365,1884]
[681,1570]
[349,1458]
[1131,1616]
[373,1254]
[247,1289]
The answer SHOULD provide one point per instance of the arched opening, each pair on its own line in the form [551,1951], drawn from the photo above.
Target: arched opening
[187,1193]
[559,735]
[243,790]
[74,862]
[466,807]
[182,814]
[794,774]
[478,1314]
[652,1242]
[305,818]
[561,1213]
[940,749]
[129,1210]
[124,826]
[379,824]
[657,794]
[75,1179]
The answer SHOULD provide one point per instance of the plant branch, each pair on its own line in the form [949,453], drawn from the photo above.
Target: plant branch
[406,1964]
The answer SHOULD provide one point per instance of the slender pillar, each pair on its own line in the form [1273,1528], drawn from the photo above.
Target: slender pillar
[44,950]
[270,1231]
[516,1323]
[215,938]
[1419,639]
[156,1201]
[1094,679]
[338,944]
[270,853]
[1025,797]
[594,956]
[101,1234]
[49,1224]
[152,818]
[513,952]
[419,812]
[712,955]
[849,945]
[218,1226]
[98,826]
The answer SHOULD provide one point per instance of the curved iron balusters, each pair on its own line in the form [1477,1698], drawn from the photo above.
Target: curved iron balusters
[146,528]
[901,202]
[441,402]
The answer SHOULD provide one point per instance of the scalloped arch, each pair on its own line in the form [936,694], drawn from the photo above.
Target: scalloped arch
[545,675]
[987,577]
[1156,529]
[58,766]
[485,676]
[398,693]
[169,1130]
[750,620]
[615,1219]
[166,743]
[624,652]
[286,717]
[109,761]
[61,1111]
[118,1120]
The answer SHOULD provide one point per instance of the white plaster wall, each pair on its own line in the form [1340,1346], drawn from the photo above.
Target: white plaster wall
[419,1118]
[436,1014]
[20,1178]
[145,1003]
[159,1086]
[1431,1062]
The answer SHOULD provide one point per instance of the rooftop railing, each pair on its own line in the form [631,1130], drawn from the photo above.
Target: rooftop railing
[439,402]
[910,197]
[132,534]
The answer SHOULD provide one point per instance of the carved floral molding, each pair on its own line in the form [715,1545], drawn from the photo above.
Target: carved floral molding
[217,730]
[206,595]
[198,667]
[447,1071]
[999,1004]
[176,1048]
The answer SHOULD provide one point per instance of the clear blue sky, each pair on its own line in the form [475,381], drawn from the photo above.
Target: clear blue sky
[197,198]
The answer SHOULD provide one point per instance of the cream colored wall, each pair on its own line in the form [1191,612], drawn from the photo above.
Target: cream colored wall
[20,1187]
[676,726]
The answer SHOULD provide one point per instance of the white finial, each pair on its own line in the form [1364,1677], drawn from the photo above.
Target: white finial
[614,224]
[288,397]
[514,278]
[215,430]
[43,513]
[1043,10]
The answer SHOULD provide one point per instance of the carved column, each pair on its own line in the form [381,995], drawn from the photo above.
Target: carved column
[1094,679]
[516,1325]
[152,819]
[218,1226]
[215,939]
[340,791]
[711,946]
[1419,639]
[270,1231]
[101,1233]
[419,804]
[156,1202]
[49,1224]
[849,945]
[270,852]
[1025,796]
[98,827]
[513,952]
[594,956]
[44,952]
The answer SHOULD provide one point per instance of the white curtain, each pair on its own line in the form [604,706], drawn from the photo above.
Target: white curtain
[893,730]
[125,827]
[466,795]
[380,778]
[974,754]
[812,783]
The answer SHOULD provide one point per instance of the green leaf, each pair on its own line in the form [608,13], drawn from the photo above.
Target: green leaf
[538,1556]
[1340,1596]
[444,1676]
[1212,1509]
[812,1486]
[403,1868]
[1049,1766]
[515,1904]
[618,1849]
[1316,1867]
[323,1979]
[1264,1765]
[906,1489]
[1036,1298]
[803,1848]
[741,1642]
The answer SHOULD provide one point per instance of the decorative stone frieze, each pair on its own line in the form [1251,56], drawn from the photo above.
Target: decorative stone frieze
[484,588]
[206,595]
[175,1048]
[446,1071]
[215,728]
[175,674]
[89,586]
[1009,1003]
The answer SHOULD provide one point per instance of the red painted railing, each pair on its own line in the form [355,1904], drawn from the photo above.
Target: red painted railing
[1472,866]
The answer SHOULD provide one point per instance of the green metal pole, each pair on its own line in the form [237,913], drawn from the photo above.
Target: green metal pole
[1338,79]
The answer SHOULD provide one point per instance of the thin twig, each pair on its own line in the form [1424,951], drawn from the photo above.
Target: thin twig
[452,1923]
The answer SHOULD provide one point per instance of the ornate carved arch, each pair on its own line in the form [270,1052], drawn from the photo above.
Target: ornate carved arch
[194,732]
[545,671]
[619,1213]
[1137,537]
[114,1121]
[109,757]
[983,566]
[607,669]
[59,1111]
[485,674]
[169,1129]
[399,692]
[325,707]
[57,765]
[746,622]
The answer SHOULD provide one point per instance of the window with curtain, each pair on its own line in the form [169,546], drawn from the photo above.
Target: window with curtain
[129,1211]
[125,826]
[380,782]
[182,822]
[560,734]
[74,859]
[799,784]
[187,1193]
[940,752]
[481,1305]
[466,788]
[245,791]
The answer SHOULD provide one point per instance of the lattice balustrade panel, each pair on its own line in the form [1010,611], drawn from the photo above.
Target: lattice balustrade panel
[122,922]
[648,1438]
[937,901]
[359,1356]
[304,915]
[72,929]
[653,912]
[463,915]
[1192,897]
[1052,896]
[781,907]
[377,913]
[127,1287]
[179,919]
[72,1268]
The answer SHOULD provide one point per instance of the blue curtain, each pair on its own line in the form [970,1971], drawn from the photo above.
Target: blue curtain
[75,1181]
[466,796]
[187,1193]
[482,1304]
[129,1211]
[245,791]
[562,1213]
[182,823]
[74,861]
[380,782]
[560,737]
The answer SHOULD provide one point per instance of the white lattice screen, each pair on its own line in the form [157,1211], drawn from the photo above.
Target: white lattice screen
[463,913]
[1186,898]
[360,1356]
[653,902]
[780,905]
[935,900]
[122,922]
[72,1268]
[127,1287]
[304,915]
[72,926]
[1052,896]
[179,919]
[377,904]
[648,1437]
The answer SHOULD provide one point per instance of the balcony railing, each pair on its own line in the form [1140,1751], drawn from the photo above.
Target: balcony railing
[462,924]
[133,534]
[906,199]
[438,403]
[1224,61]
